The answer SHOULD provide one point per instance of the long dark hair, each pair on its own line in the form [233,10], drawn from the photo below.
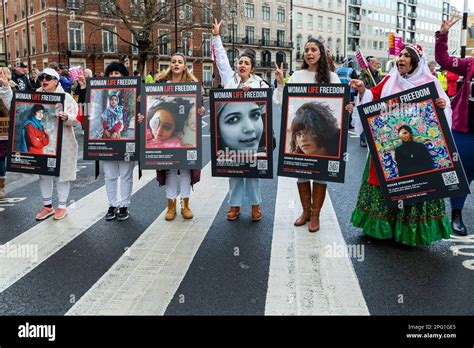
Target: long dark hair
[322,67]
[317,119]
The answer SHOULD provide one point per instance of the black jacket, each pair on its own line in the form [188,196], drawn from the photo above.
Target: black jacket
[23,83]
[412,158]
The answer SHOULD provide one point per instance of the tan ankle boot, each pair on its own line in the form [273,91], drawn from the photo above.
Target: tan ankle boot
[256,213]
[233,213]
[171,213]
[304,190]
[2,188]
[185,211]
[319,193]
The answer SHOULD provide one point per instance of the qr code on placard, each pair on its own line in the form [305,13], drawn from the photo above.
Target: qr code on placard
[262,164]
[130,147]
[191,155]
[51,163]
[450,178]
[333,166]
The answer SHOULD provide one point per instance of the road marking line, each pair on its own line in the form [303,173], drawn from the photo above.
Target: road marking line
[50,236]
[304,279]
[144,280]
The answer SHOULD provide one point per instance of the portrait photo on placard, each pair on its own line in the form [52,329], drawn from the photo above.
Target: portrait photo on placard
[35,129]
[112,114]
[314,126]
[242,127]
[410,141]
[170,122]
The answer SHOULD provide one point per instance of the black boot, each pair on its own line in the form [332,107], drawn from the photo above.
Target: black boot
[456,222]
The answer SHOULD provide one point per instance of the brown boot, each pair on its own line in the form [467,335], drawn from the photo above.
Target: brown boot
[304,189]
[256,213]
[233,213]
[171,213]
[2,188]
[185,211]
[319,193]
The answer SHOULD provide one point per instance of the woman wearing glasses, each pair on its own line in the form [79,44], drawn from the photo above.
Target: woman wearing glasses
[49,80]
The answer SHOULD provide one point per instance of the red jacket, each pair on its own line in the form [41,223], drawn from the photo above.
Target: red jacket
[36,139]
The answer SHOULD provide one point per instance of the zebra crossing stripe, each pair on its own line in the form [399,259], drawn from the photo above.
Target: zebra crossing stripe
[308,274]
[50,236]
[144,280]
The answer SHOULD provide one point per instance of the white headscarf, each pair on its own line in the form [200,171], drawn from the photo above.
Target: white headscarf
[420,76]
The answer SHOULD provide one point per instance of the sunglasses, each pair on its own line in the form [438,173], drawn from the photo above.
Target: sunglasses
[46,77]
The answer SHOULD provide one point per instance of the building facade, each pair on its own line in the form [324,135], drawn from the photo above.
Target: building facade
[83,33]
[370,21]
[263,27]
[323,20]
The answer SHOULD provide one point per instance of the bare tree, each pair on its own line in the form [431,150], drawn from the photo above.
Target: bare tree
[142,17]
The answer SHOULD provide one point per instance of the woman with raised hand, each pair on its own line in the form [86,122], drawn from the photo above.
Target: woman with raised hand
[241,190]
[315,69]
[463,116]
[416,224]
[166,126]
[6,95]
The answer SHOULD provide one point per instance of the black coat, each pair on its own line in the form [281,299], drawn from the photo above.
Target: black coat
[412,157]
[22,82]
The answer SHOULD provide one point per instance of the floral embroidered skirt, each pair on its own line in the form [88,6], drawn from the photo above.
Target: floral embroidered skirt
[417,224]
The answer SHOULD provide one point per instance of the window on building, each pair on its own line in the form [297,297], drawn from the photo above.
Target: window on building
[374,46]
[43,4]
[206,45]
[232,55]
[17,45]
[164,66]
[280,38]
[44,36]
[310,22]
[320,23]
[339,5]
[380,45]
[108,39]
[75,36]
[232,30]
[9,56]
[188,12]
[134,45]
[15,10]
[266,13]
[299,42]
[163,7]
[330,4]
[187,43]
[5,6]
[338,26]
[32,6]
[329,25]
[108,6]
[249,35]
[265,36]
[33,39]
[249,10]
[320,3]
[1,45]
[75,4]
[164,40]
[299,20]
[22,8]
[24,42]
[207,75]
[206,14]
[281,15]
[362,43]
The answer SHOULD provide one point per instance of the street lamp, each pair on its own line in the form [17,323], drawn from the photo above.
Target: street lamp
[233,13]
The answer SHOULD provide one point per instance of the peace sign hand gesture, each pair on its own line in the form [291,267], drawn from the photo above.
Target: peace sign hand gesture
[216,27]
[279,75]
[446,25]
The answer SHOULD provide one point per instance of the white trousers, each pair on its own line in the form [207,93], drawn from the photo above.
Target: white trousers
[114,170]
[46,187]
[172,179]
